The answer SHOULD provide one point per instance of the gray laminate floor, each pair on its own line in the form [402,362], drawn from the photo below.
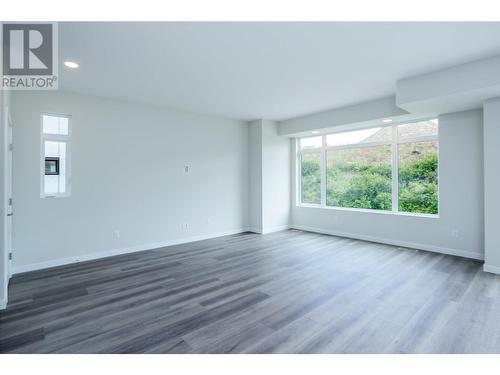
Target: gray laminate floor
[287,292]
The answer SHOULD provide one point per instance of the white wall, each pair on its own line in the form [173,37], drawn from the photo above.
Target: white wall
[492,185]
[255,209]
[460,200]
[276,178]
[128,175]
[269,178]
[455,88]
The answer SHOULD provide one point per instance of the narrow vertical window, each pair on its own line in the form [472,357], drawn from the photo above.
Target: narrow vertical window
[55,156]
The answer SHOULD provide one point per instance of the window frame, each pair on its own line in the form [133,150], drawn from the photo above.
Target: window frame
[394,143]
[66,138]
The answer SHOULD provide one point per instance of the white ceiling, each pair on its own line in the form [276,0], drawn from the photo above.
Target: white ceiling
[261,70]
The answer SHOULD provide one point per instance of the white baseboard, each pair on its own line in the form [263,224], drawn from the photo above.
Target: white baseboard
[3,304]
[127,250]
[275,229]
[411,245]
[254,230]
[491,269]
[109,253]
[269,230]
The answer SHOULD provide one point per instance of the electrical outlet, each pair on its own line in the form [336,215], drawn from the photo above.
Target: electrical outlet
[116,234]
[185,226]
[455,233]
[187,168]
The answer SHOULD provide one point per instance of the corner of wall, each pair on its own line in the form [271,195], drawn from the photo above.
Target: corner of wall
[491,269]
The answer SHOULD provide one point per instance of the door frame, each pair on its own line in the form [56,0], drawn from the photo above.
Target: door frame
[8,193]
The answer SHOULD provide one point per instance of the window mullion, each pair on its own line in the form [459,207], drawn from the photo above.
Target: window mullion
[323,173]
[395,169]
[298,172]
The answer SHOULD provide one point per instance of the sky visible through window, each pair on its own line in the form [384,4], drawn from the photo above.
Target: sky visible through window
[349,138]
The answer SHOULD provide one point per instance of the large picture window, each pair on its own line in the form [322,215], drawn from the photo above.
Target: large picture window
[391,168]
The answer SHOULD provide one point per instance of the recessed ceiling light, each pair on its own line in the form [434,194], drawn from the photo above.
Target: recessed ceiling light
[387,120]
[71,64]
[315,132]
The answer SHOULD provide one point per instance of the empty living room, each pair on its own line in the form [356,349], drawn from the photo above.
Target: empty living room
[238,185]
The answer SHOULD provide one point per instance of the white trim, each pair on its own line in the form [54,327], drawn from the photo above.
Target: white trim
[254,230]
[297,178]
[395,171]
[324,176]
[387,241]
[127,250]
[268,230]
[370,210]
[275,229]
[3,304]
[491,269]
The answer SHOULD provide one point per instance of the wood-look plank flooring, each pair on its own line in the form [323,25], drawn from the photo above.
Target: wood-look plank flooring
[287,292]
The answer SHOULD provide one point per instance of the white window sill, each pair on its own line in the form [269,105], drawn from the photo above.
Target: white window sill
[370,211]
[52,196]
